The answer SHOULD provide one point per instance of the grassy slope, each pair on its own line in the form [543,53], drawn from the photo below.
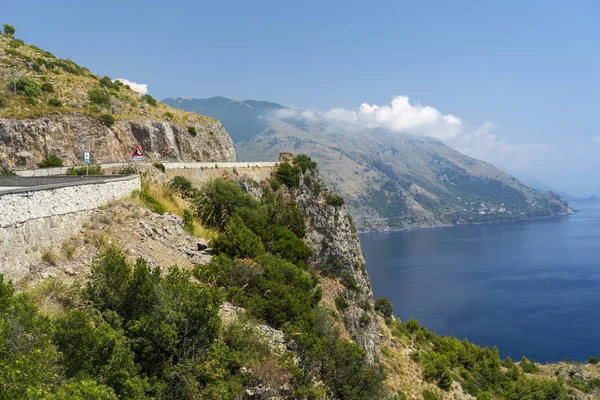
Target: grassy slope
[71,85]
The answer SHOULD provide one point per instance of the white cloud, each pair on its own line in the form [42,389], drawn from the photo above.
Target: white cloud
[141,88]
[399,116]
[596,139]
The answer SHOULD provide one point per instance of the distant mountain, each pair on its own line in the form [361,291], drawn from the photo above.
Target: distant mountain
[535,183]
[390,181]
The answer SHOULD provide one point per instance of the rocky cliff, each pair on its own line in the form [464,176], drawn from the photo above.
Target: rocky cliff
[25,142]
[56,107]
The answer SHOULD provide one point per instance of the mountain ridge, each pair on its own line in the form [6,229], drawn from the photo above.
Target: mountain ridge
[391,181]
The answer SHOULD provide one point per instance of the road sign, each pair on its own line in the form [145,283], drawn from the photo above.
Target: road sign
[86,157]
[137,154]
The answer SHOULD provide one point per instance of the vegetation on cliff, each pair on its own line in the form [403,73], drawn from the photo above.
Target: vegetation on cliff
[46,84]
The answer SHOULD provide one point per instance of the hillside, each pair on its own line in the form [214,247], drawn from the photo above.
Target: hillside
[390,181]
[63,109]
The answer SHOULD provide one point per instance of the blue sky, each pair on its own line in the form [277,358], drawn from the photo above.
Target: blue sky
[526,72]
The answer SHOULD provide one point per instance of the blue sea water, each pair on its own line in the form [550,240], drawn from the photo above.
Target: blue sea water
[531,288]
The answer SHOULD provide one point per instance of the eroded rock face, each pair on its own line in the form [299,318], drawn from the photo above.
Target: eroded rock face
[24,143]
[332,237]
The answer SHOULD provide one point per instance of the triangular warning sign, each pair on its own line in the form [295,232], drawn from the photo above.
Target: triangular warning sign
[137,152]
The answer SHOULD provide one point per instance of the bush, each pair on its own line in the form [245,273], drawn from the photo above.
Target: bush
[341,303]
[47,87]
[333,199]
[50,161]
[429,395]
[237,241]
[107,120]
[30,100]
[130,169]
[6,172]
[288,175]
[150,201]
[2,102]
[107,83]
[9,29]
[159,166]
[182,184]
[384,306]
[99,97]
[83,170]
[54,102]
[529,366]
[305,163]
[28,87]
[150,100]
[218,200]
[188,222]
[593,360]
[192,131]
[290,247]
[168,115]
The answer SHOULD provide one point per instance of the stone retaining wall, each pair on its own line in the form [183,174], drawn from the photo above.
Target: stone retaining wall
[32,219]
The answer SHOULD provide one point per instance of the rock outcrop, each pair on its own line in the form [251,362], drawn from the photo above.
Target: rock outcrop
[25,142]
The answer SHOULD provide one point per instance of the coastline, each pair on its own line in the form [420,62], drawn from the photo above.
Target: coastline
[444,226]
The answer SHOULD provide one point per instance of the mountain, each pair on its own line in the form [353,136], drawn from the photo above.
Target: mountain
[390,180]
[55,107]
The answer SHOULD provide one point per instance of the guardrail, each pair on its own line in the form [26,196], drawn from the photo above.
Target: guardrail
[168,165]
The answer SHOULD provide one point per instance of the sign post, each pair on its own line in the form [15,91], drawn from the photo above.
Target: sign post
[137,154]
[86,160]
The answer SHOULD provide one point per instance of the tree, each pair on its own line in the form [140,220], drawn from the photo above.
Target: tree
[305,163]
[237,241]
[384,306]
[9,29]
[288,174]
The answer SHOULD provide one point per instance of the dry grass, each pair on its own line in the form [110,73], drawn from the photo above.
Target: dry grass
[69,248]
[176,204]
[53,296]
[49,257]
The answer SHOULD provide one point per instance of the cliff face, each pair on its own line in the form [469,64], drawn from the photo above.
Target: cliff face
[25,142]
[332,237]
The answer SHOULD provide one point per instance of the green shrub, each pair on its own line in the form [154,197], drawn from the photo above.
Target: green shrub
[6,172]
[182,184]
[28,87]
[129,169]
[429,395]
[333,199]
[107,83]
[15,43]
[47,87]
[192,131]
[84,389]
[168,115]
[237,241]
[50,161]
[288,174]
[365,319]
[384,306]
[218,200]
[150,100]
[2,102]
[529,366]
[305,163]
[188,222]
[107,120]
[98,97]
[159,166]
[90,170]
[150,201]
[9,29]
[341,303]
[30,100]
[68,66]
[290,247]
[593,360]
[54,102]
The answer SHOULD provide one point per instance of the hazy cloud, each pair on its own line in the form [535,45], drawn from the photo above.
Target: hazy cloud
[596,139]
[141,88]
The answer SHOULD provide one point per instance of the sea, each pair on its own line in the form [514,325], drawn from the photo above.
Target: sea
[530,288]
